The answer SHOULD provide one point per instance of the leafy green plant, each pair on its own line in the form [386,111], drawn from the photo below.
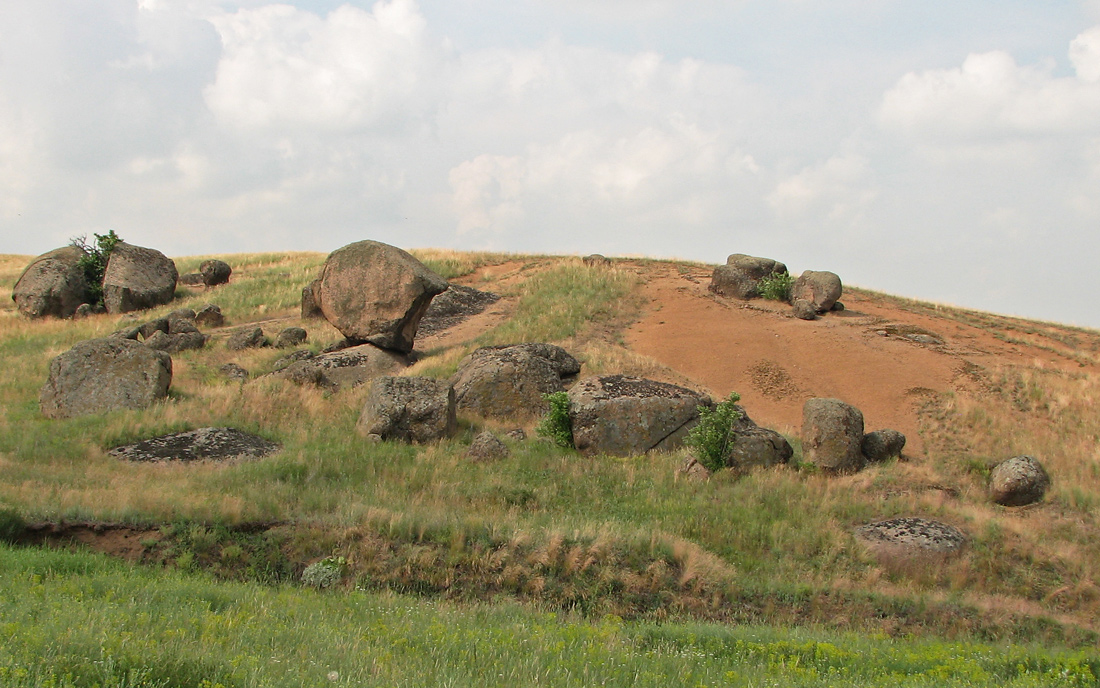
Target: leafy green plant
[556,424]
[713,435]
[325,573]
[776,286]
[12,525]
[94,262]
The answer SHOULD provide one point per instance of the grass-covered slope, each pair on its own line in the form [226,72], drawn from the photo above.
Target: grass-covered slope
[545,527]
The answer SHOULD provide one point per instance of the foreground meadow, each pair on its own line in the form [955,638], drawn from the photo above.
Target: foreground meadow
[562,569]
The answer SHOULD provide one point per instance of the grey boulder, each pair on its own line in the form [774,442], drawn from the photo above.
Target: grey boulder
[290,337]
[409,409]
[215,272]
[137,278]
[832,435]
[915,535]
[627,416]
[377,293]
[821,288]
[882,445]
[756,447]
[246,338]
[101,375]
[211,444]
[53,284]
[1019,481]
[487,446]
[345,368]
[507,382]
[740,276]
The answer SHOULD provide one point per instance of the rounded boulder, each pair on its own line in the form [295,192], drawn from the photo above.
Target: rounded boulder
[101,375]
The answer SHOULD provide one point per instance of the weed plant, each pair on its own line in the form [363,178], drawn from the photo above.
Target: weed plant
[776,286]
[94,263]
[556,425]
[713,436]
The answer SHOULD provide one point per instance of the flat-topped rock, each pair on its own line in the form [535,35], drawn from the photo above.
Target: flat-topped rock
[137,278]
[215,444]
[101,375]
[915,534]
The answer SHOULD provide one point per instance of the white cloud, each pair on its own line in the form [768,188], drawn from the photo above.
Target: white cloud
[282,67]
[991,98]
[837,190]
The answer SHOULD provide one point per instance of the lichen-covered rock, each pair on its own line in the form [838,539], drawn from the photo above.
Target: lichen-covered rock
[210,444]
[101,375]
[137,278]
[917,535]
[486,447]
[215,272]
[377,293]
[209,315]
[626,416]
[246,338]
[1019,481]
[290,337]
[507,382]
[882,445]
[53,284]
[234,371]
[176,342]
[409,409]
[740,276]
[832,435]
[344,368]
[756,447]
[819,287]
[804,310]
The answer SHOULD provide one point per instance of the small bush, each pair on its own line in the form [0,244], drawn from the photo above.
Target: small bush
[713,435]
[556,424]
[776,286]
[94,262]
[12,525]
[325,573]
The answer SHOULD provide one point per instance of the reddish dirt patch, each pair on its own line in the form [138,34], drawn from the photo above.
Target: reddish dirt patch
[877,354]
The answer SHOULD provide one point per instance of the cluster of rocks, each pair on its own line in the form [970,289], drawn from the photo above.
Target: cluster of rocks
[211,274]
[813,293]
[176,331]
[135,278]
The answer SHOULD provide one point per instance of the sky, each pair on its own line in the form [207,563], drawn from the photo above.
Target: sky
[938,150]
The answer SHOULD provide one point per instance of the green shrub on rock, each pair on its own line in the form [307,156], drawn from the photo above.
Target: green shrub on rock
[713,435]
[94,262]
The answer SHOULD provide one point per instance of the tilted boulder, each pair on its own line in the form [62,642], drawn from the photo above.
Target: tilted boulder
[215,272]
[409,409]
[507,382]
[1019,481]
[53,284]
[210,315]
[246,338]
[311,307]
[882,445]
[819,287]
[626,416]
[756,447]
[137,278]
[740,276]
[832,435]
[345,368]
[100,375]
[377,293]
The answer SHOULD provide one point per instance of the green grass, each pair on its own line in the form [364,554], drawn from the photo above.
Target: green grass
[82,620]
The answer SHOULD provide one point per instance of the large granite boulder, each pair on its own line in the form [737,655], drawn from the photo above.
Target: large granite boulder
[626,416]
[1018,481]
[832,435]
[100,375]
[52,285]
[377,293]
[821,288]
[137,278]
[740,276]
[215,272]
[345,368]
[409,409]
[507,382]
[756,447]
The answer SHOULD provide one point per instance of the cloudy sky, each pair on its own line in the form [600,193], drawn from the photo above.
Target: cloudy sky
[939,150]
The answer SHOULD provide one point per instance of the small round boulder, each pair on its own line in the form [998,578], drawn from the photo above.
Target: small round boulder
[215,272]
[1019,481]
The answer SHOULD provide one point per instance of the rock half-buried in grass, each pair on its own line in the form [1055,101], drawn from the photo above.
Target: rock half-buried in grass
[914,534]
[211,444]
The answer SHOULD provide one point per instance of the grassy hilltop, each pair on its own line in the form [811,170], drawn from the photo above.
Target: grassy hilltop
[549,568]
